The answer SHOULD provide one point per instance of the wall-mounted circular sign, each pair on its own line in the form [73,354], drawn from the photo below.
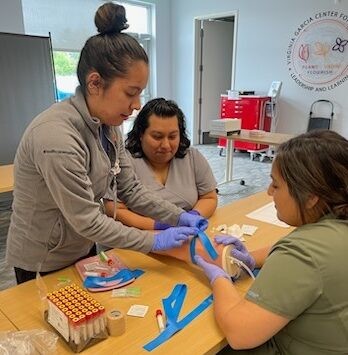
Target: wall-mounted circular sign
[317,55]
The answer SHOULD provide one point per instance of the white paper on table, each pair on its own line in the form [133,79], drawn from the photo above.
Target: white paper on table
[268,214]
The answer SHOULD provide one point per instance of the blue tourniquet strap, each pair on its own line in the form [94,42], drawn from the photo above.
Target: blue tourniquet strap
[172,307]
[173,303]
[193,249]
[123,275]
[206,244]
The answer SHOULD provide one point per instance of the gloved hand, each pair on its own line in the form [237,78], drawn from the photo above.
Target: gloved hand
[195,212]
[239,251]
[172,237]
[212,271]
[192,220]
[161,226]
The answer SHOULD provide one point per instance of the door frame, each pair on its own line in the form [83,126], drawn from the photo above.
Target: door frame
[197,80]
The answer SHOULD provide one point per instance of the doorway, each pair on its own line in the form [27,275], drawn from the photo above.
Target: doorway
[214,69]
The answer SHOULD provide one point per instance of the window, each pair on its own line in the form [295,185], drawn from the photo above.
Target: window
[68,37]
[139,20]
[65,65]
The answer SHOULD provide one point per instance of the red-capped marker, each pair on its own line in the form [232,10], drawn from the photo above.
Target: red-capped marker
[159,318]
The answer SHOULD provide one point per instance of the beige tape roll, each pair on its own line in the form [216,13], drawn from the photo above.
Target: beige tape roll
[227,263]
[116,322]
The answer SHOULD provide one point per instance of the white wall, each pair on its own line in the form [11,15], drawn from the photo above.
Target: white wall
[264,32]
[11,19]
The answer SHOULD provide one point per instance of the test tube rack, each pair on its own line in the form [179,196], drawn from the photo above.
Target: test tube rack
[78,318]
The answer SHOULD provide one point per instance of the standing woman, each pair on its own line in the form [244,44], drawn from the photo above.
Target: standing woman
[160,153]
[72,155]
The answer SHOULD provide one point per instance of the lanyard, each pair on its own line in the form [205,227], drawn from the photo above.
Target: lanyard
[172,306]
[103,138]
[206,244]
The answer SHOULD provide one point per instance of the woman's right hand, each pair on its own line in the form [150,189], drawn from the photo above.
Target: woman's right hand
[173,237]
[239,251]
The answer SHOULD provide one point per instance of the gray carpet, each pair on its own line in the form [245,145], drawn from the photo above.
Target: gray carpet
[254,172]
[7,278]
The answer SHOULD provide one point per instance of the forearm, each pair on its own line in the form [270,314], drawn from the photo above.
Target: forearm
[147,203]
[206,205]
[183,253]
[133,219]
[245,324]
[127,217]
[223,290]
[109,208]
[260,255]
[228,310]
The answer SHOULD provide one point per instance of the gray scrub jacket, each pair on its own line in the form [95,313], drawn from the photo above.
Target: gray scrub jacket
[61,173]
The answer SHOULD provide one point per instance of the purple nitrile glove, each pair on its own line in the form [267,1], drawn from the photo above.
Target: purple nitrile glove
[172,237]
[161,226]
[195,212]
[239,252]
[192,220]
[212,271]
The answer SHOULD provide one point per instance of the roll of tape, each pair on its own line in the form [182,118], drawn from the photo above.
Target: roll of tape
[116,322]
[227,262]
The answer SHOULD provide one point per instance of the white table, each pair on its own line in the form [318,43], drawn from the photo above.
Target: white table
[269,138]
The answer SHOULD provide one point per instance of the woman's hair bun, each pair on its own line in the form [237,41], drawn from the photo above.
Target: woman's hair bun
[110,18]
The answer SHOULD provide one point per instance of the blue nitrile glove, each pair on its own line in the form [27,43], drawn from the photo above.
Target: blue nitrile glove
[161,226]
[212,271]
[172,237]
[194,212]
[239,252]
[192,220]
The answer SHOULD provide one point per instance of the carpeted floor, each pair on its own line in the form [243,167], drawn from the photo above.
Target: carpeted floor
[7,278]
[253,172]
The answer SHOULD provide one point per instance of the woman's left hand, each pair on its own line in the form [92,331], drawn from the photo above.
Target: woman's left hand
[192,220]
[212,271]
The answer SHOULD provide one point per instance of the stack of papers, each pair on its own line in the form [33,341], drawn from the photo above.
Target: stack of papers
[268,214]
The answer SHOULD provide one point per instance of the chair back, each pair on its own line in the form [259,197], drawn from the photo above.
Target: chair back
[320,122]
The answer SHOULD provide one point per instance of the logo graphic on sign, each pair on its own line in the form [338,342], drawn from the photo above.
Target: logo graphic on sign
[317,55]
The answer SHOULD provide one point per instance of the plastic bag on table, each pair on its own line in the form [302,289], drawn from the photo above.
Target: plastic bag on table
[28,342]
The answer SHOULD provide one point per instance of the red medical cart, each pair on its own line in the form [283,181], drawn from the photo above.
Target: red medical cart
[251,110]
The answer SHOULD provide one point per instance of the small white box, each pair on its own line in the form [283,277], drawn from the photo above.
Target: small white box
[228,125]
